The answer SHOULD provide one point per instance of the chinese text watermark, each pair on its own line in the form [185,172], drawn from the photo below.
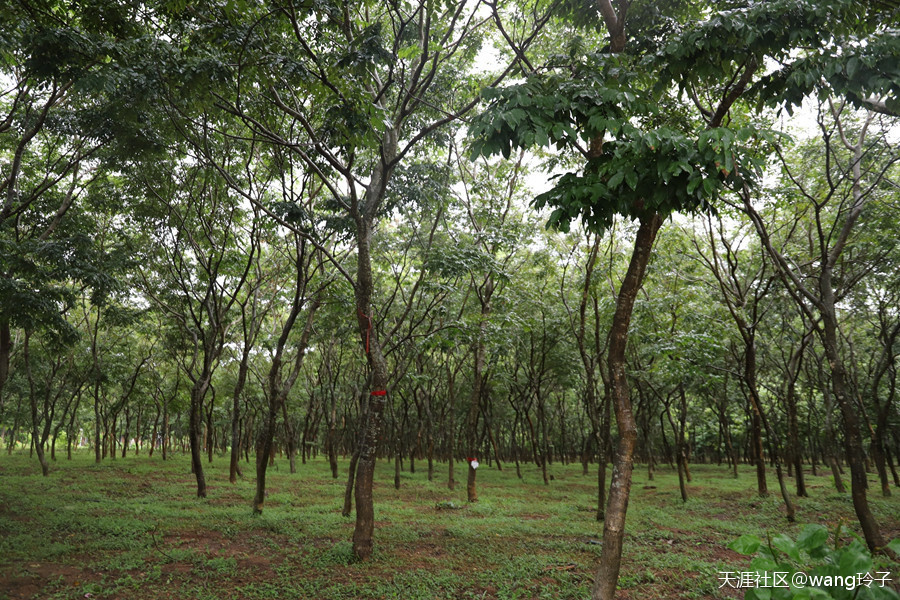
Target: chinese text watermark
[787,579]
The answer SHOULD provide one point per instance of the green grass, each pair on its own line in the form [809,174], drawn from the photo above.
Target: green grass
[133,528]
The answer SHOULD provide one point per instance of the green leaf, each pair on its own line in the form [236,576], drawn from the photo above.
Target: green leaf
[746,544]
[694,183]
[631,179]
[895,546]
[853,561]
[410,52]
[812,536]
[761,593]
[786,545]
[763,562]
[615,180]
[515,116]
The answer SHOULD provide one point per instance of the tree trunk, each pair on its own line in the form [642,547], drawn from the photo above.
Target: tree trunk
[36,416]
[348,490]
[210,430]
[331,441]
[5,351]
[126,433]
[679,447]
[477,388]
[198,390]
[601,489]
[397,468]
[377,397]
[155,432]
[762,488]
[13,434]
[234,467]
[795,452]
[879,444]
[773,439]
[165,429]
[890,463]
[265,445]
[97,451]
[451,428]
[852,438]
[607,575]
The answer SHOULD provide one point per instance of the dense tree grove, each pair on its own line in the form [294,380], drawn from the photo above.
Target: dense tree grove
[283,230]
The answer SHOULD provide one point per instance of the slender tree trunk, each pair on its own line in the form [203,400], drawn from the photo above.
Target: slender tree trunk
[607,575]
[5,351]
[542,420]
[795,450]
[112,438]
[397,468]
[852,438]
[831,452]
[729,445]
[601,489]
[234,466]
[155,433]
[475,399]
[36,416]
[277,384]
[265,445]
[759,458]
[451,428]
[331,441]
[756,404]
[879,445]
[348,490]
[377,397]
[890,463]
[210,430]
[97,424]
[13,435]
[198,390]
[679,450]
[165,430]
[137,431]
[429,433]
[493,441]
[126,432]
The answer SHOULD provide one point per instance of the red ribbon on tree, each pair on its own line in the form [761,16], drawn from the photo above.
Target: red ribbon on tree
[470,459]
[378,393]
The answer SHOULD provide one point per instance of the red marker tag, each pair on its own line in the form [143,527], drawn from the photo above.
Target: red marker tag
[379,393]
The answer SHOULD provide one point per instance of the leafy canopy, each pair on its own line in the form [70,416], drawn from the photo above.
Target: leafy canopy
[621,112]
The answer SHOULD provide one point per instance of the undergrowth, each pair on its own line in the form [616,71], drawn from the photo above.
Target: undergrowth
[133,527]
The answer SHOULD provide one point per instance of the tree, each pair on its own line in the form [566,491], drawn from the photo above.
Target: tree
[856,161]
[645,156]
[305,261]
[488,196]
[743,286]
[198,273]
[69,93]
[357,90]
[591,349]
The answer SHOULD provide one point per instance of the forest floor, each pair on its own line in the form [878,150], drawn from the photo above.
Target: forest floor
[133,528]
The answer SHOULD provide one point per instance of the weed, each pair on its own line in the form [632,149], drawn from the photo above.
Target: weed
[134,528]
